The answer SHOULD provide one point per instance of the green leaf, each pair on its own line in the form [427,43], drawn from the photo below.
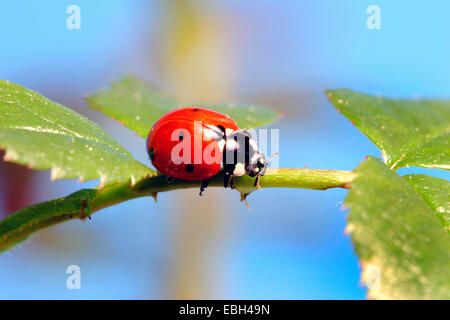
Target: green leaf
[43,134]
[436,193]
[138,105]
[397,234]
[134,103]
[408,132]
[246,116]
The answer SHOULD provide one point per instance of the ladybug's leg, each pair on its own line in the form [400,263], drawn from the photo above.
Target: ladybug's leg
[204,185]
[169,179]
[227,180]
[231,181]
[256,185]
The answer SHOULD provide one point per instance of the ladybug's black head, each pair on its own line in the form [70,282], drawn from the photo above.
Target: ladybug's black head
[257,165]
[241,156]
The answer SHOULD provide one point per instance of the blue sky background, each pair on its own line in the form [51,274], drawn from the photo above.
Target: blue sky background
[291,245]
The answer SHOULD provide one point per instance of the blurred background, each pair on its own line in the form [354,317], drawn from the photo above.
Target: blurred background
[281,54]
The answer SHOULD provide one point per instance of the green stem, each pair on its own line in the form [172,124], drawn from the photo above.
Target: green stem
[81,204]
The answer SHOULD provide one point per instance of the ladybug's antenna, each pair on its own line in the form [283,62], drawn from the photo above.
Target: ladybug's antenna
[270,158]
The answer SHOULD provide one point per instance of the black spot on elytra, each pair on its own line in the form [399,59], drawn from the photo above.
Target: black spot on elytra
[195,110]
[152,154]
[190,167]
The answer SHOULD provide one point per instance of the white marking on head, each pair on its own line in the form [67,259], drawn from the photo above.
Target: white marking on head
[239,169]
[255,158]
[232,145]
[253,143]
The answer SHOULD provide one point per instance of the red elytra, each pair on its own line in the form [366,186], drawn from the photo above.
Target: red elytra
[171,130]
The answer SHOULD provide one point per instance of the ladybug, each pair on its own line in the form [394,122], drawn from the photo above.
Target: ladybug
[192,143]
